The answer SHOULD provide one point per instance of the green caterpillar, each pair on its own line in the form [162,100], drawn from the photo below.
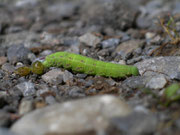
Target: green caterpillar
[83,64]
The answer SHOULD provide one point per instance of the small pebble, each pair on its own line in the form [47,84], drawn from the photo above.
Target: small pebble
[3,101]
[150,35]
[89,39]
[157,82]
[17,53]
[1,74]
[46,52]
[3,60]
[67,76]
[168,66]
[25,106]
[31,57]
[76,92]
[135,124]
[81,76]
[54,76]
[112,42]
[5,119]
[6,131]
[27,88]
[50,100]
[8,68]
[126,48]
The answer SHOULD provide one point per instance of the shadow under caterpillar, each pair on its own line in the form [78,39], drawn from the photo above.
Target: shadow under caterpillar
[80,64]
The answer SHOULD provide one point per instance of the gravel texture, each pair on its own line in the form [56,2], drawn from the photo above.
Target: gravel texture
[63,102]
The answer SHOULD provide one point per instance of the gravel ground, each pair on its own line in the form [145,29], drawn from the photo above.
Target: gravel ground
[62,102]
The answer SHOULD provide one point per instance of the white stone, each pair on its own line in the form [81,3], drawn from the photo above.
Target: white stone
[157,82]
[74,116]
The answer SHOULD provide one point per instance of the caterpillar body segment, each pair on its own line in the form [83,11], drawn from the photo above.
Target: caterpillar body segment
[83,64]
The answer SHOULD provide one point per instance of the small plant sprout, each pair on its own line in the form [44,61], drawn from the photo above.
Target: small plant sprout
[170,29]
[172,93]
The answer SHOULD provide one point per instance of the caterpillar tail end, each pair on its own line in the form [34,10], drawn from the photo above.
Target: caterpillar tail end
[135,71]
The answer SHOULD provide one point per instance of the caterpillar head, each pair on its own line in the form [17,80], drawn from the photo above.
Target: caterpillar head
[23,71]
[37,68]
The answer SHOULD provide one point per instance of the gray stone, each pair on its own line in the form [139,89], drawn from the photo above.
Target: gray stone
[3,50]
[74,48]
[126,48]
[31,57]
[150,35]
[50,100]
[5,118]
[5,18]
[24,3]
[70,41]
[28,39]
[149,49]
[152,81]
[63,8]
[104,52]
[112,42]
[134,82]
[2,74]
[89,39]
[14,29]
[3,60]
[91,91]
[17,53]
[81,76]
[177,122]
[168,66]
[67,76]
[46,52]
[157,82]
[124,36]
[176,7]
[76,92]
[74,116]
[135,124]
[5,131]
[156,40]
[48,38]
[3,94]
[136,59]
[25,106]
[86,83]
[144,22]
[8,68]
[54,76]
[150,11]
[27,88]
[42,89]
[111,82]
[110,13]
